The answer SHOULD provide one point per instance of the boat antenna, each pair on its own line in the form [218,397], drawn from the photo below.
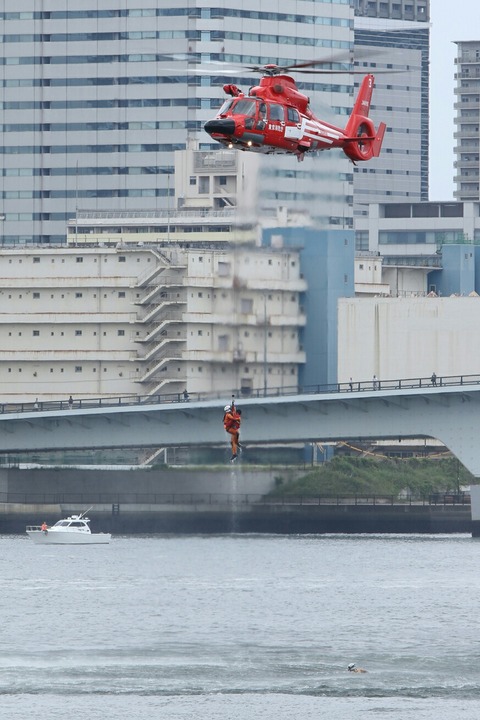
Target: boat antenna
[85,512]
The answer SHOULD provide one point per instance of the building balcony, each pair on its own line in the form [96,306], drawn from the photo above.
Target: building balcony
[466,195]
[246,356]
[473,163]
[297,320]
[467,90]
[428,262]
[470,134]
[463,105]
[275,285]
[470,178]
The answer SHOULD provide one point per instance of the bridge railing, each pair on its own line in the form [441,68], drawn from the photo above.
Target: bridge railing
[104,401]
[82,500]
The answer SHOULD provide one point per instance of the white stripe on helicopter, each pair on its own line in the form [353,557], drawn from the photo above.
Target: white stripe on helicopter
[325,130]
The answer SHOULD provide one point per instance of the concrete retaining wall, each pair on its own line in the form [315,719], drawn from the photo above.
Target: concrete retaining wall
[195,519]
[35,495]
[57,483]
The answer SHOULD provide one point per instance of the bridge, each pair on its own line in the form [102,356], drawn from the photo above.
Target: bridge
[448,411]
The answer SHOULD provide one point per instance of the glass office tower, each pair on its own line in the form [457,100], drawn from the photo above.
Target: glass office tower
[95,97]
[392,39]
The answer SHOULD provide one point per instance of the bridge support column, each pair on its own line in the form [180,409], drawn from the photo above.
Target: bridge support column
[475,495]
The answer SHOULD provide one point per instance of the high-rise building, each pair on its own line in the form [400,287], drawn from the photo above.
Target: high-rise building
[467,135]
[393,35]
[95,98]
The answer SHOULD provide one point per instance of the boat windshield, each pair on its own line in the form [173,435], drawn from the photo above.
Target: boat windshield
[62,523]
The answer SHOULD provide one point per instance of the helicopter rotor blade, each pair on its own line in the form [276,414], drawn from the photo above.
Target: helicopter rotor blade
[198,66]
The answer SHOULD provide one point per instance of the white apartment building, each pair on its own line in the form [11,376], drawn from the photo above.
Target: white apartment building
[96,321]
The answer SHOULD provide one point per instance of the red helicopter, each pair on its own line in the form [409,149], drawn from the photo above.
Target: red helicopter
[275,118]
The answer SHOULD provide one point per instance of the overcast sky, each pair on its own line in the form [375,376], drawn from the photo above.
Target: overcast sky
[449,22]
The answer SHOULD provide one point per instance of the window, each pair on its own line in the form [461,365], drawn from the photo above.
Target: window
[121,333]
[78,368]
[78,294]
[246,305]
[292,115]
[36,259]
[122,258]
[277,113]
[36,295]
[223,342]
[79,259]
[36,333]
[121,294]
[203,184]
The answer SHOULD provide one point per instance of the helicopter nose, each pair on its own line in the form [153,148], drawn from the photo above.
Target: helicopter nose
[222,126]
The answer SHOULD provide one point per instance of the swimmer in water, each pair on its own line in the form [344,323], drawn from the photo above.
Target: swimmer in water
[353,668]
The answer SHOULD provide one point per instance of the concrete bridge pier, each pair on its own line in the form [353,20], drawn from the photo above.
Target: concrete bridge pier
[475,509]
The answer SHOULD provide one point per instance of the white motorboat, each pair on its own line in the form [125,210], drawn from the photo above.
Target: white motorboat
[73,530]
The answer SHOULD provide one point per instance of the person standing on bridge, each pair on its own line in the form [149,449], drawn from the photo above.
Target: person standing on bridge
[434,379]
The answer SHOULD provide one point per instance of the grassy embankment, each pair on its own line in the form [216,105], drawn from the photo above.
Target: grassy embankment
[418,477]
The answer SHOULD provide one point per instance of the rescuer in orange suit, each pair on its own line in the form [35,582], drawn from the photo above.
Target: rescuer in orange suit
[231,422]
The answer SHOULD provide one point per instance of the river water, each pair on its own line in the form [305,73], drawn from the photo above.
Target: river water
[241,627]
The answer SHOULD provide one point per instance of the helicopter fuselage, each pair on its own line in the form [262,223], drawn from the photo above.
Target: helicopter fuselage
[275,118]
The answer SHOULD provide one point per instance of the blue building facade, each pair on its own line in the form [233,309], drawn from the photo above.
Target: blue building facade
[327,264]
[460,273]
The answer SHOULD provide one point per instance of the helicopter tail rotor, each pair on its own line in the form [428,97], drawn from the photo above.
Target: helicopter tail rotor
[363,142]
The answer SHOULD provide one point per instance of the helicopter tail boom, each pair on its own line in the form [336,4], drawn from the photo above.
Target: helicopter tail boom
[362,140]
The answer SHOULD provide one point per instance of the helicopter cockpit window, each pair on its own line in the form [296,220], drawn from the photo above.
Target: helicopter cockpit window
[244,107]
[293,115]
[276,112]
[225,107]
